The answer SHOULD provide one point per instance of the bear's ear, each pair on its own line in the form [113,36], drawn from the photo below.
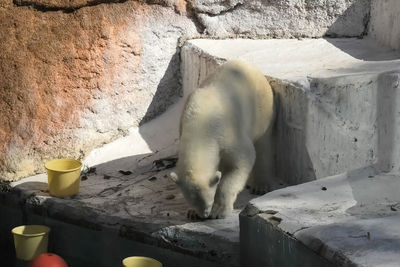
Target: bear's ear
[216,179]
[174,177]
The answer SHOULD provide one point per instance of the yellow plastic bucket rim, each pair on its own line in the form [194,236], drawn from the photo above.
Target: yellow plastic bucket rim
[139,258]
[46,165]
[46,230]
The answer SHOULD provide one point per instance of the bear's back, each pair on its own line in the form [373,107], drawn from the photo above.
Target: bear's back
[237,97]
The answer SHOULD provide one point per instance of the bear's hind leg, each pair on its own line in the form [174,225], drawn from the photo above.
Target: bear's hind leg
[234,180]
[262,177]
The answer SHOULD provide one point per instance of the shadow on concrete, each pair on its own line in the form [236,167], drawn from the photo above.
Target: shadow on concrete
[293,164]
[356,17]
[168,91]
[33,186]
[355,243]
[384,192]
[360,47]
[159,127]
[376,195]
[365,49]
[387,94]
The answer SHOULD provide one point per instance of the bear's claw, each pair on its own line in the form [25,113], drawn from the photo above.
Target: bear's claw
[258,191]
[219,211]
[192,215]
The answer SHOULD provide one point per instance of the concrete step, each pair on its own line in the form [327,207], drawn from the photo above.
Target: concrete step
[295,60]
[336,99]
[350,219]
[336,115]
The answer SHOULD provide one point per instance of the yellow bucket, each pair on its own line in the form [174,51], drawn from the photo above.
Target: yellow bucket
[140,262]
[30,241]
[63,177]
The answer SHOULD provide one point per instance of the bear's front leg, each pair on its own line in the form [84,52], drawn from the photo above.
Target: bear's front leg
[233,181]
[262,177]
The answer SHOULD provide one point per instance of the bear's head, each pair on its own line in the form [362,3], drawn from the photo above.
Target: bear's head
[198,189]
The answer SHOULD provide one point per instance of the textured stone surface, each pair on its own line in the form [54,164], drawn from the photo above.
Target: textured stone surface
[72,5]
[284,18]
[349,220]
[384,22]
[71,81]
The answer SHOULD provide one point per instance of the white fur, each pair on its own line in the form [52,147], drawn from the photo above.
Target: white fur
[219,126]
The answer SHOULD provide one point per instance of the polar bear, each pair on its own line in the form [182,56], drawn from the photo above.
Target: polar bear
[221,123]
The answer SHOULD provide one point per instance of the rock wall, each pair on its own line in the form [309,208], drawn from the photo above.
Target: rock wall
[75,77]
[77,74]
[283,18]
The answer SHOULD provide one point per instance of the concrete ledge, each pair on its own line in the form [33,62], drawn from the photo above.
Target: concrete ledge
[120,212]
[81,246]
[349,219]
[127,199]
[295,60]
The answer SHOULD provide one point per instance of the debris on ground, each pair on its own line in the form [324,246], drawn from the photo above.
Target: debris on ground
[5,186]
[87,172]
[169,197]
[165,163]
[91,170]
[125,172]
[395,207]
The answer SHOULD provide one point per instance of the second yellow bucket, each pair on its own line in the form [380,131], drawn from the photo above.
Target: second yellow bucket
[30,241]
[63,177]
[140,262]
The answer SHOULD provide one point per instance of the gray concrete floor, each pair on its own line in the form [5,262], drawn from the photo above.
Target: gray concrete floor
[135,198]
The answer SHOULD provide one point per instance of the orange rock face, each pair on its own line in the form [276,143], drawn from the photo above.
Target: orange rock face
[66,76]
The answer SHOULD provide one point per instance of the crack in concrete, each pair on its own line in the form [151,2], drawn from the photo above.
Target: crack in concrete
[66,9]
[194,16]
[298,230]
[223,12]
[274,220]
[43,7]
[366,21]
